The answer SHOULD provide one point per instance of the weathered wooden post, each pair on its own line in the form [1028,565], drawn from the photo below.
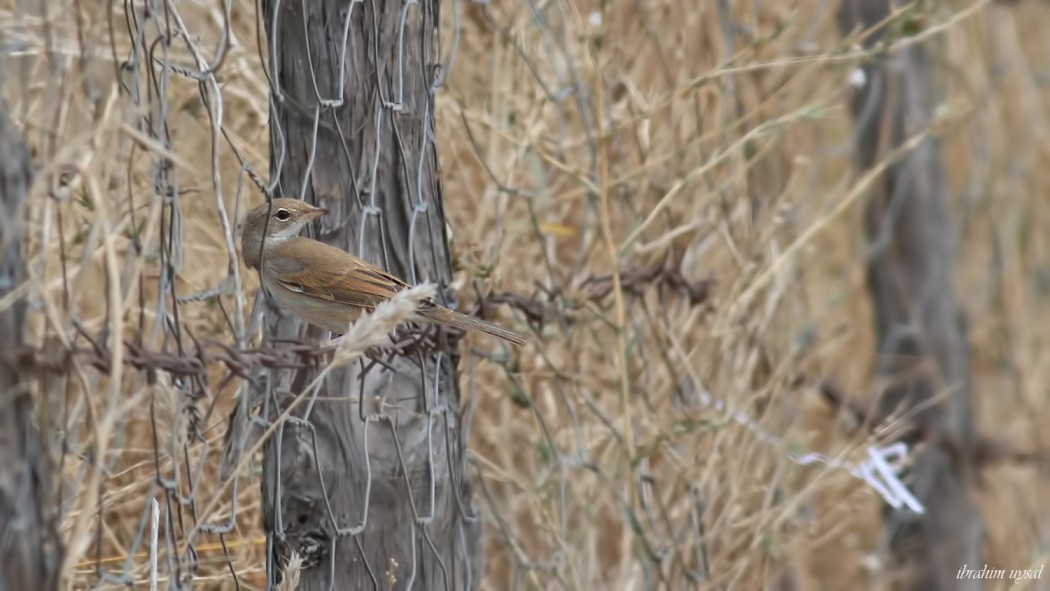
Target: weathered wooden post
[352,129]
[923,345]
[30,549]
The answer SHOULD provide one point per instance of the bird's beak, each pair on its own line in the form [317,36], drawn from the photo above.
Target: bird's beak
[316,213]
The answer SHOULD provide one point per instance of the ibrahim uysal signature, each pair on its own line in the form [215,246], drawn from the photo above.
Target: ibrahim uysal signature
[1015,574]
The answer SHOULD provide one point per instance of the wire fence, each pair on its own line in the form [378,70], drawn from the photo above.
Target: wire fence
[657,195]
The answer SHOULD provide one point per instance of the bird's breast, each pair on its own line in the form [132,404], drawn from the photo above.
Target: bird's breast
[327,314]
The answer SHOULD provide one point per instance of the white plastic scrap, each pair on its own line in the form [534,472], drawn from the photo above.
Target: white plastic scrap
[878,470]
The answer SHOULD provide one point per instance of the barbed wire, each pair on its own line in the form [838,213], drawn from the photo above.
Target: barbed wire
[303,353]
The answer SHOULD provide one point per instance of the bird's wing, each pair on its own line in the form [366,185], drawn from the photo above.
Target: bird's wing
[326,272]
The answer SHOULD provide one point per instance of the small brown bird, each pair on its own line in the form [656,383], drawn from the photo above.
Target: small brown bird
[324,285]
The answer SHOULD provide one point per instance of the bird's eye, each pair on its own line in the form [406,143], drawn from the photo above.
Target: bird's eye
[282,214]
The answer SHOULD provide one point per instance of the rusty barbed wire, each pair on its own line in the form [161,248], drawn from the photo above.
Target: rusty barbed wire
[545,305]
[538,309]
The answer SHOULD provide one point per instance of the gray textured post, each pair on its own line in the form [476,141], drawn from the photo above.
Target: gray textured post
[352,124]
[30,550]
[923,345]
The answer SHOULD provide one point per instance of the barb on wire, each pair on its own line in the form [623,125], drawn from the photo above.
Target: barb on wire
[546,305]
[635,281]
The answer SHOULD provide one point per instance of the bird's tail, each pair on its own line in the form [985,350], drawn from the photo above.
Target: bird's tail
[449,317]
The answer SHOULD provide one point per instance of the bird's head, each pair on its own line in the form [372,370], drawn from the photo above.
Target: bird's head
[276,221]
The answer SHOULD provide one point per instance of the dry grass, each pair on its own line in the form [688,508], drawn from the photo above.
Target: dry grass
[730,157]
